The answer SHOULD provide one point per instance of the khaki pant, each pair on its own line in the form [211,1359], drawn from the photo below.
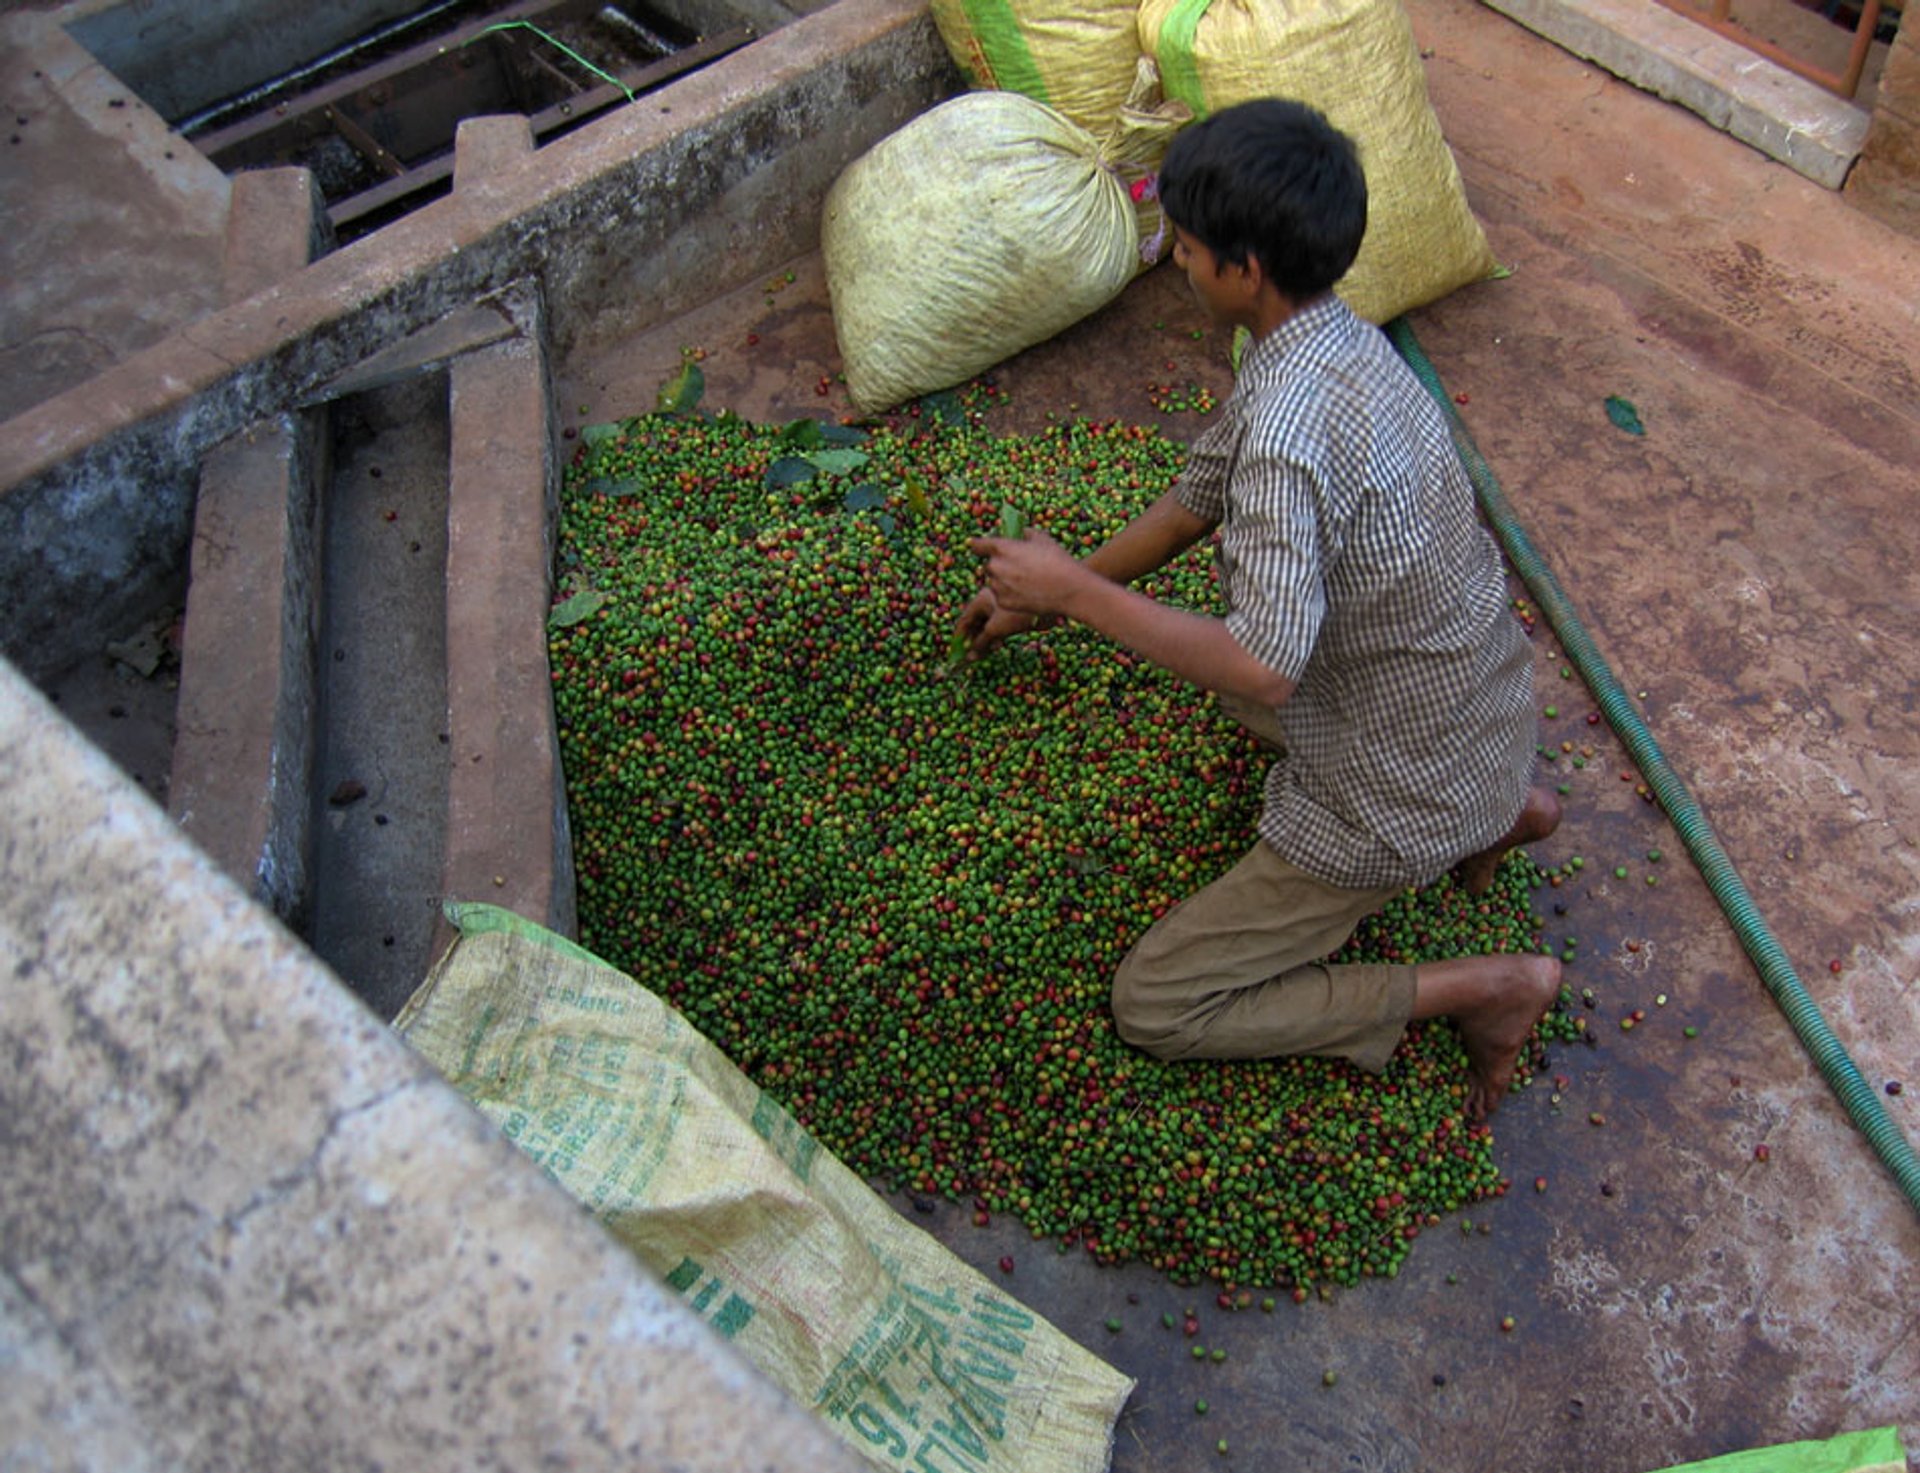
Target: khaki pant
[1234,971]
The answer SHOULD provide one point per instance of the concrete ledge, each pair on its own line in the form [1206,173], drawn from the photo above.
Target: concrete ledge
[506,838]
[246,1228]
[1786,117]
[243,752]
[241,783]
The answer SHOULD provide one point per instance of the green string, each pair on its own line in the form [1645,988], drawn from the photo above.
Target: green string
[522,25]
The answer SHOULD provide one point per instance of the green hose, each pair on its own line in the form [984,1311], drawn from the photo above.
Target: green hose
[1862,1103]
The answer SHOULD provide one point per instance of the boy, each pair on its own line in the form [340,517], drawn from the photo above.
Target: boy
[1368,638]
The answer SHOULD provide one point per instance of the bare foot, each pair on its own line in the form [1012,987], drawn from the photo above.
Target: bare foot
[1539,816]
[1494,1001]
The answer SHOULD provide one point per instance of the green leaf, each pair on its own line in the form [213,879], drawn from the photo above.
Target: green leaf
[837,462]
[679,394]
[943,408]
[1624,415]
[1013,525]
[790,470]
[1500,273]
[583,605]
[956,654]
[839,434]
[600,434]
[917,496]
[800,435]
[613,486]
[864,497]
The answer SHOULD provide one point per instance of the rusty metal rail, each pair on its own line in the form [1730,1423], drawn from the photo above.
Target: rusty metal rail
[1718,18]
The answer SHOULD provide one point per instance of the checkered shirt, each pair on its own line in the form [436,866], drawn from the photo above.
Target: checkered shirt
[1353,562]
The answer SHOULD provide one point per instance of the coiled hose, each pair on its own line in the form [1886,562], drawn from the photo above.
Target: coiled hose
[1861,1102]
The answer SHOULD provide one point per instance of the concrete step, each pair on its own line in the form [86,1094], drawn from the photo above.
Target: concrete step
[365,719]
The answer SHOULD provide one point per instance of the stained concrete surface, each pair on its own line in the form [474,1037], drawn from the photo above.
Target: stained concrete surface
[1745,568]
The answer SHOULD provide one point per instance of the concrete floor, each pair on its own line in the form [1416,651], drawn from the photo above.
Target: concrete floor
[1746,569]
[1747,565]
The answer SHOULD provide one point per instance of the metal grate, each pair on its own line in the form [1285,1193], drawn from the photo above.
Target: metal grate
[379,134]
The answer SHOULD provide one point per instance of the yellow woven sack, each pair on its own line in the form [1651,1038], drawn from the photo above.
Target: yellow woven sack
[916,1359]
[1076,56]
[984,226]
[1357,62]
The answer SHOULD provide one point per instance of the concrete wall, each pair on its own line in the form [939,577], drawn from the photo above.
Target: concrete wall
[245,1227]
[628,222]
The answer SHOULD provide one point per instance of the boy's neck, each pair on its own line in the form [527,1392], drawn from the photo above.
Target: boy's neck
[1271,309]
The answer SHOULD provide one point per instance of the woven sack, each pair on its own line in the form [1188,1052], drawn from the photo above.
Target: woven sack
[1076,56]
[1875,1450]
[984,226]
[912,1356]
[1357,62]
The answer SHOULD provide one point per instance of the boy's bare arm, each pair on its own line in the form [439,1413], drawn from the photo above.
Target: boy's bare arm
[1150,541]
[1037,576]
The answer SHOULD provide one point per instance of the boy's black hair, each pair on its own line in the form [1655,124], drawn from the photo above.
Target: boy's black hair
[1274,180]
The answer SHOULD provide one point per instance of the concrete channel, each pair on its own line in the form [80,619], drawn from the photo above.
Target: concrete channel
[307,486]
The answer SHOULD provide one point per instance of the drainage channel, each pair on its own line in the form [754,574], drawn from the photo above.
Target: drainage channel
[377,130]
[374,115]
[380,764]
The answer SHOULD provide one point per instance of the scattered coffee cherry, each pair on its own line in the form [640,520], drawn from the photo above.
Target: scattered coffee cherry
[1894,1087]
[1507,1325]
[1761,1152]
[1200,1408]
[894,894]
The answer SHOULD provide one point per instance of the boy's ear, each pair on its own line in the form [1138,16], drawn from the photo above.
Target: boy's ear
[1253,275]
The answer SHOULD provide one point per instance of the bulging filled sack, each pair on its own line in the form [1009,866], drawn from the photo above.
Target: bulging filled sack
[1357,62]
[1076,56]
[984,226]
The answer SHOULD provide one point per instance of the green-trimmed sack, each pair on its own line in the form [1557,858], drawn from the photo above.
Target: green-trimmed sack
[1875,1451]
[984,226]
[1076,56]
[916,1359]
[1357,62]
